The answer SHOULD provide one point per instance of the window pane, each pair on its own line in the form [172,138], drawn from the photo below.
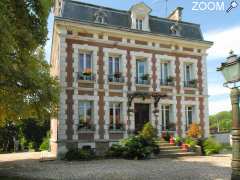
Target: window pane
[81,64]
[111,115]
[81,112]
[88,61]
[117,64]
[110,65]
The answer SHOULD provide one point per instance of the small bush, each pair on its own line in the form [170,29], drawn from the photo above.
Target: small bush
[178,140]
[211,146]
[148,132]
[79,154]
[194,131]
[115,151]
[136,147]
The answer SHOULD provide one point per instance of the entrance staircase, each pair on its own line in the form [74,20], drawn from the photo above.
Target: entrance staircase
[168,150]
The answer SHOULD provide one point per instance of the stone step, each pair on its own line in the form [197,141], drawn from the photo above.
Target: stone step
[166,144]
[176,155]
[170,151]
[169,147]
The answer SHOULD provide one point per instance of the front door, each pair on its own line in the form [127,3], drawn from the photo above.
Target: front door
[141,116]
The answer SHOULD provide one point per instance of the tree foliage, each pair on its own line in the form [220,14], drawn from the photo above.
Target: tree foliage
[221,120]
[26,87]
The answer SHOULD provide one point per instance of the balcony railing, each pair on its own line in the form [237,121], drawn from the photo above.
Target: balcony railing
[88,77]
[190,84]
[116,127]
[166,82]
[115,78]
[140,80]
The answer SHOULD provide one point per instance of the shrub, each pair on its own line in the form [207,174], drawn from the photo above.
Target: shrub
[79,154]
[211,146]
[194,131]
[116,151]
[136,147]
[45,143]
[178,140]
[148,132]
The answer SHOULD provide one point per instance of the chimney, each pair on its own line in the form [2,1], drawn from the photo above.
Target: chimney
[176,15]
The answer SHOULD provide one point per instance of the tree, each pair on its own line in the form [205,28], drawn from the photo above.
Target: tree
[221,121]
[26,87]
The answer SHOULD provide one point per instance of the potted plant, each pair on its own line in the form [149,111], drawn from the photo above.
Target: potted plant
[117,75]
[145,77]
[178,140]
[87,72]
[170,79]
[193,82]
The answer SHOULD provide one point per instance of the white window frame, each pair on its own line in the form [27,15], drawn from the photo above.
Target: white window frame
[191,71]
[113,105]
[164,108]
[83,103]
[163,76]
[85,59]
[187,117]
[139,76]
[114,64]
[139,24]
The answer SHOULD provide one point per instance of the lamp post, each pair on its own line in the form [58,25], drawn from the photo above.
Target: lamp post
[231,72]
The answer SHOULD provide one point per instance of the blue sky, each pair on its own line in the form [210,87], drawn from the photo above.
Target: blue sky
[218,26]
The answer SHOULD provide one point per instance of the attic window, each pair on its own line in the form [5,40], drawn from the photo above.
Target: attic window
[100,17]
[175,29]
[139,24]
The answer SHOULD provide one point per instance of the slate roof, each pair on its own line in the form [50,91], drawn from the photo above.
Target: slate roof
[84,12]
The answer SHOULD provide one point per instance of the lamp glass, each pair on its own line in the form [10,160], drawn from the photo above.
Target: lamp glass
[232,72]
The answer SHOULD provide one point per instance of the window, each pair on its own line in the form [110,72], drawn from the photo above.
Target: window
[141,72]
[165,115]
[100,19]
[114,69]
[189,113]
[164,73]
[188,76]
[139,24]
[115,116]
[85,114]
[85,66]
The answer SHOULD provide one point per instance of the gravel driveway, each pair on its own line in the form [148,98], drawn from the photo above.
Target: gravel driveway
[185,168]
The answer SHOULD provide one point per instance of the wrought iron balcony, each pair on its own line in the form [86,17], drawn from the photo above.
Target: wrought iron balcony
[88,77]
[115,78]
[140,80]
[190,84]
[166,82]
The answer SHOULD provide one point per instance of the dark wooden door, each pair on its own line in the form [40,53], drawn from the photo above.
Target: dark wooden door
[141,116]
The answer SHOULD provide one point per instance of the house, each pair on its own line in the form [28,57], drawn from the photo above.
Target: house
[120,69]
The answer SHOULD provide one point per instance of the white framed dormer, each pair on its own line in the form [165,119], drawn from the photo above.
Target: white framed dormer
[140,17]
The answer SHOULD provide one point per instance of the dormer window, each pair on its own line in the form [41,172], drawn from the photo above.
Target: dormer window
[140,17]
[100,19]
[139,24]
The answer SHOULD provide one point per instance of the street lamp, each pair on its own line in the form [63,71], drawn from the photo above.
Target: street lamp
[231,72]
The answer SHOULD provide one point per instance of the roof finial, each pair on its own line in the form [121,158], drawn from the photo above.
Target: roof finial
[231,52]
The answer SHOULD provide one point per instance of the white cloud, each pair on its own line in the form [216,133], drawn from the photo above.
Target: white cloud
[219,105]
[216,89]
[224,40]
